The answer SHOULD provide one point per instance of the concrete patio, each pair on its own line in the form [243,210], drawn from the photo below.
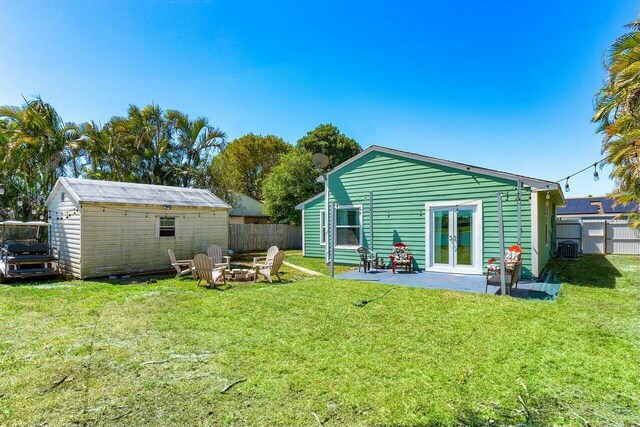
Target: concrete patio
[527,288]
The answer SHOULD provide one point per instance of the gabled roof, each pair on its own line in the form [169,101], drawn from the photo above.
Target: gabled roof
[112,192]
[300,206]
[595,206]
[247,206]
[532,182]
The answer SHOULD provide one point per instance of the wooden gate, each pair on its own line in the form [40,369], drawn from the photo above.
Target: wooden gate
[600,236]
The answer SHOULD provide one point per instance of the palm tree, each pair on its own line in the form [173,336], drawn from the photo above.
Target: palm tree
[195,143]
[38,151]
[617,107]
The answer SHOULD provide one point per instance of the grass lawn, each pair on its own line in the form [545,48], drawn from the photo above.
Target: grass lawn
[315,264]
[105,353]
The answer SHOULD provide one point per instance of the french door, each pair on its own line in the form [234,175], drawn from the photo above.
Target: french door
[453,236]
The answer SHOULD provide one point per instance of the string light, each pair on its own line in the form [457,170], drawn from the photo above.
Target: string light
[595,172]
[566,185]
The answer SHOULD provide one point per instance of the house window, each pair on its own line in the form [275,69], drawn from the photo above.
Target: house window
[323,227]
[348,227]
[167,227]
[62,197]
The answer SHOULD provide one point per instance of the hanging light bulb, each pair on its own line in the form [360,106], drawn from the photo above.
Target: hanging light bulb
[595,172]
[548,197]
[566,186]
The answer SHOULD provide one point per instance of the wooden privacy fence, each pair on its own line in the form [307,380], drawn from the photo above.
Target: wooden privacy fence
[259,237]
[600,236]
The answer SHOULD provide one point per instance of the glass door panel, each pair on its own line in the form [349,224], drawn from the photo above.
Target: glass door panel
[464,240]
[441,239]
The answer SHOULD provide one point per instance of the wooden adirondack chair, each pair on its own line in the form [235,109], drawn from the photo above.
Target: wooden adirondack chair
[513,265]
[183,267]
[203,271]
[269,271]
[266,260]
[400,256]
[215,253]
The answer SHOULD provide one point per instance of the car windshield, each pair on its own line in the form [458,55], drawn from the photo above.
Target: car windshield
[23,234]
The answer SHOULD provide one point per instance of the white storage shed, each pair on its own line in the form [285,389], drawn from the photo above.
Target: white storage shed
[103,228]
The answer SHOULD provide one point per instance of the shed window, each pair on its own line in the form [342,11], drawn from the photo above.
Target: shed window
[62,197]
[348,227]
[167,227]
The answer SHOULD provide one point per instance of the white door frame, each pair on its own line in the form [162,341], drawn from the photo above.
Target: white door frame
[476,268]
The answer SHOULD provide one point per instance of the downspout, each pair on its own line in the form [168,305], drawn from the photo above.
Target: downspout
[520,213]
[371,221]
[326,217]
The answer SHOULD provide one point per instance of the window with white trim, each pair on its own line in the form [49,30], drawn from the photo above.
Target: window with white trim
[348,227]
[323,227]
[167,226]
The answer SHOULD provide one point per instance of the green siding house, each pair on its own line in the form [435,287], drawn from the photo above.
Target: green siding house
[445,212]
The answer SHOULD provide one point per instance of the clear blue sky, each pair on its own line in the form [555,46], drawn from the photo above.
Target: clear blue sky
[506,85]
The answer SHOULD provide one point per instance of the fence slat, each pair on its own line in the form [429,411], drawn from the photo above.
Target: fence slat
[259,237]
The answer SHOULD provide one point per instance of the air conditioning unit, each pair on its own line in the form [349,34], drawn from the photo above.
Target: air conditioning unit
[568,249]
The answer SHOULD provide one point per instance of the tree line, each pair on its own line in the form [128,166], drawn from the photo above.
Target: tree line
[154,146]
[617,114]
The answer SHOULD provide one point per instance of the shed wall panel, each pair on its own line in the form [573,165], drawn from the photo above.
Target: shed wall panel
[119,242]
[65,233]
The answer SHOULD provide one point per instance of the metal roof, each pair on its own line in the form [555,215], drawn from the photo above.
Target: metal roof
[113,192]
[248,206]
[590,206]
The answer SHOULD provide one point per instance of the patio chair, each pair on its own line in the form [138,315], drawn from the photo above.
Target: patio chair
[368,258]
[267,260]
[203,270]
[215,253]
[269,271]
[183,266]
[513,266]
[400,256]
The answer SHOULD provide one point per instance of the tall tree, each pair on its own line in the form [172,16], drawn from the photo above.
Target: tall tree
[617,112]
[39,149]
[289,183]
[246,162]
[294,180]
[196,142]
[147,133]
[328,140]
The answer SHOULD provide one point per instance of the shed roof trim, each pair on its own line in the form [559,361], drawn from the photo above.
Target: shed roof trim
[113,192]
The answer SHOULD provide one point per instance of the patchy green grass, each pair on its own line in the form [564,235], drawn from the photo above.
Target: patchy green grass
[104,353]
[315,264]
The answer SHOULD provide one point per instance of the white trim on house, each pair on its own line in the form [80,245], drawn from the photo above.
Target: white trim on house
[532,182]
[360,227]
[477,267]
[535,264]
[323,228]
[303,227]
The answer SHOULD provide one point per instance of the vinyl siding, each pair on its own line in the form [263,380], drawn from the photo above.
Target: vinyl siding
[312,213]
[115,243]
[401,186]
[65,233]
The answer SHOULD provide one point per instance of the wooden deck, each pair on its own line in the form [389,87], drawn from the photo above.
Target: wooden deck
[527,289]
